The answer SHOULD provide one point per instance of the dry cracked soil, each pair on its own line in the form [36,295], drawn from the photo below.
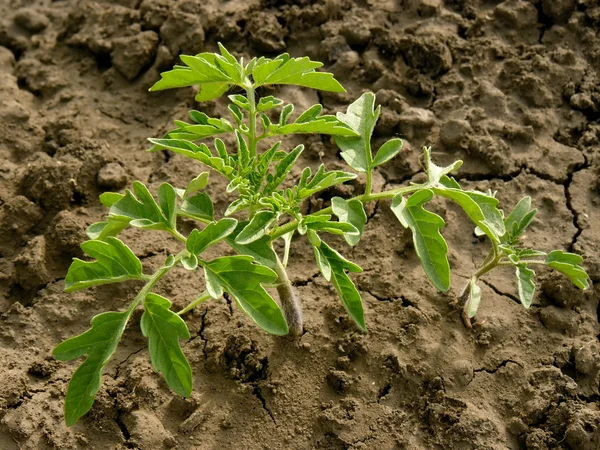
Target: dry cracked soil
[511,87]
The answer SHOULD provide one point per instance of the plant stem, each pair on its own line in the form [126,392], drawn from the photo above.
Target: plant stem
[289,301]
[205,296]
[155,278]
[292,225]
[369,185]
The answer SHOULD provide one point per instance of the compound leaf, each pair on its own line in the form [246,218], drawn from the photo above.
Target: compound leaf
[242,278]
[435,173]
[343,284]
[525,284]
[198,241]
[297,71]
[429,243]
[114,262]
[323,125]
[164,328]
[141,209]
[569,265]
[361,117]
[282,169]
[352,212]
[257,227]
[98,343]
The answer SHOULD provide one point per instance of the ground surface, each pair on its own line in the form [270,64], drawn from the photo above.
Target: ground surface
[511,88]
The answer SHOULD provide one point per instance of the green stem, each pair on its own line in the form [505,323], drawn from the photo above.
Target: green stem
[178,235]
[369,185]
[251,119]
[292,225]
[155,278]
[205,296]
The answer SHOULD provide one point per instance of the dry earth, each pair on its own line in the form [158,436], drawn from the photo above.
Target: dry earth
[511,88]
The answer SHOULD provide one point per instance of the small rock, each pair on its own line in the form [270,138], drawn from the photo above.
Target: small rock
[132,54]
[7,60]
[558,319]
[427,54]
[31,20]
[582,101]
[66,233]
[183,33]
[559,10]
[414,119]
[146,429]
[339,380]
[112,176]
[516,14]
[266,33]
[30,265]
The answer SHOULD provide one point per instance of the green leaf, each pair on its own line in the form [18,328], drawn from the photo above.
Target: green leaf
[282,169]
[525,284]
[198,152]
[482,209]
[297,71]
[527,253]
[98,343]
[387,151]
[322,263]
[167,198]
[517,214]
[141,209]
[361,117]
[110,198]
[164,328]
[243,279]
[114,262]
[435,173]
[352,212]
[260,250]
[198,207]
[189,262]
[343,284]
[198,241]
[474,299]
[269,102]
[429,243]
[338,228]
[257,227]
[569,265]
[243,153]
[320,181]
[197,184]
[322,125]
[110,227]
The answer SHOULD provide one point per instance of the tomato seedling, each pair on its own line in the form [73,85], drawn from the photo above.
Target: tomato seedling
[266,212]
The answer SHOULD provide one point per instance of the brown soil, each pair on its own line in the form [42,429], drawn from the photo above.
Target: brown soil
[511,88]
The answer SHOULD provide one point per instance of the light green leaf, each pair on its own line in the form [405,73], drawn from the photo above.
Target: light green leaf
[435,173]
[98,343]
[167,198]
[114,262]
[322,263]
[197,184]
[320,181]
[109,227]
[361,117]
[352,212]
[243,279]
[110,198]
[141,209]
[338,228]
[257,227]
[296,71]
[474,299]
[282,169]
[343,284]
[164,328]
[482,209]
[198,152]
[429,243]
[569,265]
[322,125]
[387,151]
[268,102]
[198,207]
[527,253]
[260,250]
[525,284]
[198,241]
[190,262]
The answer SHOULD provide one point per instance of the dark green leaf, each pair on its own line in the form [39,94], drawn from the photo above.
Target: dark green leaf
[167,199]
[114,262]
[198,241]
[569,265]
[141,209]
[164,328]
[98,343]
[429,243]
[243,279]
[352,212]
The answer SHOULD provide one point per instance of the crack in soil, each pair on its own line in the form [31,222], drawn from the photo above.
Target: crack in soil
[118,369]
[258,394]
[498,367]
[569,203]
[499,292]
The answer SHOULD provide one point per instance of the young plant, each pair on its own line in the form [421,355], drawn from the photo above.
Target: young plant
[264,212]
